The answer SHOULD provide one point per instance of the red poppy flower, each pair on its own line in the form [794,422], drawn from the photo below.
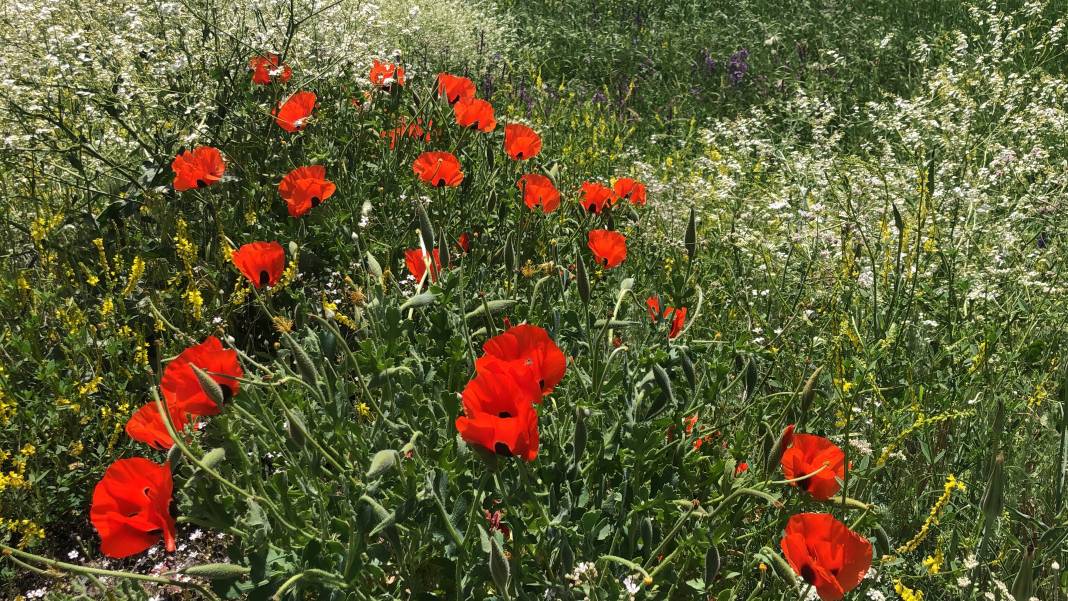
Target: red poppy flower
[809,453]
[413,130]
[677,316]
[292,115]
[197,168]
[595,197]
[267,68]
[499,410]
[261,262]
[631,189]
[521,142]
[438,168]
[146,425]
[464,242]
[826,554]
[305,188]
[741,468]
[475,113]
[609,247]
[455,88]
[180,385]
[530,346]
[539,190]
[385,74]
[131,507]
[415,260]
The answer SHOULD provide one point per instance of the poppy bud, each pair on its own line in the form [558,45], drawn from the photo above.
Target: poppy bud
[712,565]
[992,498]
[647,537]
[664,381]
[382,462]
[373,267]
[295,429]
[209,386]
[566,557]
[785,440]
[509,256]
[582,280]
[808,393]
[579,441]
[778,563]
[425,229]
[688,370]
[216,571]
[1023,586]
[899,223]
[444,254]
[304,362]
[212,457]
[752,376]
[691,235]
[498,565]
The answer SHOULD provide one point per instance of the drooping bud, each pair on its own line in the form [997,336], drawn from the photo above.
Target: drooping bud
[993,499]
[582,280]
[209,386]
[785,440]
[425,229]
[712,565]
[498,565]
[579,441]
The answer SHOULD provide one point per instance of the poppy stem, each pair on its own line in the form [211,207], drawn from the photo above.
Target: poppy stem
[53,564]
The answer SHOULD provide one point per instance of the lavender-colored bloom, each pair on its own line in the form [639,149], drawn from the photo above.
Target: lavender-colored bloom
[737,66]
[707,62]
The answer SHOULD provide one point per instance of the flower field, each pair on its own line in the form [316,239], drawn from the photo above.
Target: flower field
[547,299]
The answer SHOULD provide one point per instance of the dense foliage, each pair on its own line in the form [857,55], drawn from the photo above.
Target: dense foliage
[791,328]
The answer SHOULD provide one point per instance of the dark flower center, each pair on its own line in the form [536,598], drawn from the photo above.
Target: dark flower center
[504,415]
[315,201]
[228,393]
[502,449]
[441,181]
[519,155]
[201,183]
[808,574]
[265,278]
[805,484]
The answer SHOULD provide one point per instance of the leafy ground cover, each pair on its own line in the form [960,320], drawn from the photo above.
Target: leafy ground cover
[644,300]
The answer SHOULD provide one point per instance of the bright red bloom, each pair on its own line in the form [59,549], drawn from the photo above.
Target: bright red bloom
[413,130]
[741,468]
[809,453]
[521,142]
[261,262]
[438,168]
[415,260]
[131,507]
[499,410]
[539,190]
[292,114]
[385,74]
[677,316]
[596,196]
[475,113]
[464,242]
[182,389]
[631,189]
[267,68]
[305,188]
[608,247]
[197,168]
[146,425]
[826,554]
[530,346]
[455,88]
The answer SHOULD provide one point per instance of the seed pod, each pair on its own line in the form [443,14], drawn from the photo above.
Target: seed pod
[993,496]
[499,568]
[691,235]
[209,386]
[752,376]
[579,440]
[425,230]
[712,565]
[304,362]
[899,223]
[582,280]
[646,531]
[882,540]
[509,256]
